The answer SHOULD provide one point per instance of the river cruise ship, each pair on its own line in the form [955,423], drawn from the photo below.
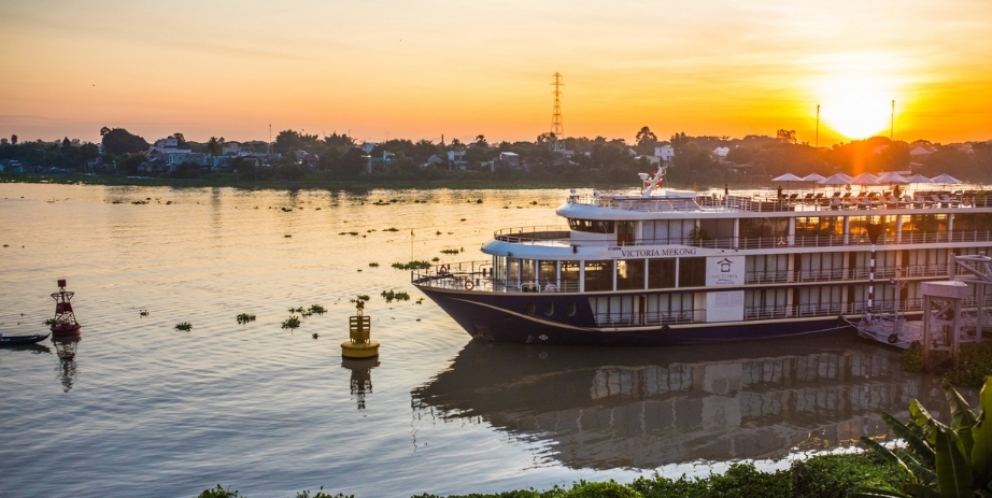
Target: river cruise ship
[664,266]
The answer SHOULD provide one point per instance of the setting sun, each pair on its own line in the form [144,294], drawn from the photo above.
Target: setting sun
[856,107]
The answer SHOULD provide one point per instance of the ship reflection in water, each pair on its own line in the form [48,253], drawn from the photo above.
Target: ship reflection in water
[643,408]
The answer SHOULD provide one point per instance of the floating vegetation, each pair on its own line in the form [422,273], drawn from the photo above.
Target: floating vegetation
[50,322]
[184,326]
[363,297]
[318,309]
[316,209]
[245,318]
[139,202]
[286,210]
[315,336]
[420,301]
[435,259]
[391,230]
[389,296]
[143,313]
[413,265]
[418,319]
[533,203]
[296,310]
[307,314]
[437,233]
[288,235]
[6,245]
[292,322]
[373,265]
[479,201]
[450,251]
[170,202]
[463,219]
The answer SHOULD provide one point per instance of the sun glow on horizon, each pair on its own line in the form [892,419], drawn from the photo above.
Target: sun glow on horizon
[856,107]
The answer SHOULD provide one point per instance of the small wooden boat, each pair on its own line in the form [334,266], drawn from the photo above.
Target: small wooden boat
[17,340]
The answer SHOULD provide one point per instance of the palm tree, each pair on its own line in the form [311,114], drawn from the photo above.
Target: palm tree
[214,146]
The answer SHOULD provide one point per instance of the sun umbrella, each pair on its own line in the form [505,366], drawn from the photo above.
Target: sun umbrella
[865,179]
[813,177]
[838,179]
[788,177]
[891,177]
[918,178]
[946,179]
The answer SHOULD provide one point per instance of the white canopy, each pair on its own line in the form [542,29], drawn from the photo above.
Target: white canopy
[865,179]
[918,178]
[891,177]
[838,179]
[788,177]
[813,177]
[946,180]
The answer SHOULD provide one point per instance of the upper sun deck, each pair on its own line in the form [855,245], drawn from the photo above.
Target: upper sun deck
[685,204]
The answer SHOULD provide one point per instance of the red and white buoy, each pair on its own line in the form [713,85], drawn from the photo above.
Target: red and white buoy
[65,321]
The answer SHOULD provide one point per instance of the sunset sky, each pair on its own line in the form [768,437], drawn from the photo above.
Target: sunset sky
[391,68]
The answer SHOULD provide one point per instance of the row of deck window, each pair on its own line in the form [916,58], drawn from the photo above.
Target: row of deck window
[688,231]
[667,273]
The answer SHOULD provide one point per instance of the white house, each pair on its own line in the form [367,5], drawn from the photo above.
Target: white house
[511,158]
[721,152]
[665,152]
[457,158]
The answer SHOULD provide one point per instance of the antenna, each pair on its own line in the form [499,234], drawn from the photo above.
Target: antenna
[557,128]
[892,121]
[817,125]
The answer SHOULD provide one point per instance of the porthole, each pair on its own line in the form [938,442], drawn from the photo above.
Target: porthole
[530,308]
[570,309]
[549,309]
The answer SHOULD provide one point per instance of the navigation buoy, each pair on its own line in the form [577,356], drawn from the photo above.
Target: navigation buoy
[65,321]
[360,346]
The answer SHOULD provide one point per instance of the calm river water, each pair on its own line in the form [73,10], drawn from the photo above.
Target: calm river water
[147,410]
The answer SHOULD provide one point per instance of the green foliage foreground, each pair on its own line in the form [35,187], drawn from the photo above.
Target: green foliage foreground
[933,460]
[827,476]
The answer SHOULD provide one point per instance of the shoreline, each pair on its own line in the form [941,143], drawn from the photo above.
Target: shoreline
[365,184]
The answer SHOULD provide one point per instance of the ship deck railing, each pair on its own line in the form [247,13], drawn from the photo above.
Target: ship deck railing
[794,200]
[756,313]
[557,236]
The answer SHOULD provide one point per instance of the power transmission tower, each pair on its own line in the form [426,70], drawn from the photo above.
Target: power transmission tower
[557,128]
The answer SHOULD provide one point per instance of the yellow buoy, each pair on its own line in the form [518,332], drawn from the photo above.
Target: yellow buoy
[359,346]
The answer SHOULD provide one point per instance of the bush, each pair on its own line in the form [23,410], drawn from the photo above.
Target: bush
[609,489]
[836,476]
[220,492]
[741,480]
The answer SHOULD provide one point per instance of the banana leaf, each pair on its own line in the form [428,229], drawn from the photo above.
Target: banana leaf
[924,474]
[918,491]
[919,447]
[961,413]
[887,454]
[981,450]
[954,478]
[876,493]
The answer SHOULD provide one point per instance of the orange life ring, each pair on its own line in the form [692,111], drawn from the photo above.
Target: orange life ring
[469,285]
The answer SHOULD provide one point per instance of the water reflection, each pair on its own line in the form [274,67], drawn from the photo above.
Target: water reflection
[361,377]
[65,348]
[644,408]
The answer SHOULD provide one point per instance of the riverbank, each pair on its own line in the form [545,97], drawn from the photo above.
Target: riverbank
[824,476]
[316,181]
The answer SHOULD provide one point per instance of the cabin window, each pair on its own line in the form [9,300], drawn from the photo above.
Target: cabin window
[661,273]
[717,228]
[512,272]
[599,276]
[819,226]
[569,276]
[549,309]
[766,268]
[668,308]
[527,271]
[967,222]
[571,309]
[821,301]
[630,274]
[764,228]
[663,232]
[593,226]
[692,272]
[547,273]
[625,232]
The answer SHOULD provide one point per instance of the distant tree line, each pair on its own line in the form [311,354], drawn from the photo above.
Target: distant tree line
[297,156]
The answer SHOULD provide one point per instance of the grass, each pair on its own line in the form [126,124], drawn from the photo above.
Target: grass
[975,363]
[318,309]
[413,265]
[390,295]
[291,323]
